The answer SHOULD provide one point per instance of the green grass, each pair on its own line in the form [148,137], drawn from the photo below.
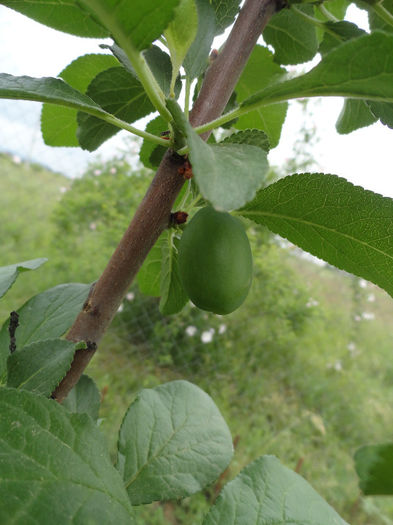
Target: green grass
[295,377]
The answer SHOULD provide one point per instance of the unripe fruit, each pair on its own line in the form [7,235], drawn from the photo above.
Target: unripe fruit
[215,261]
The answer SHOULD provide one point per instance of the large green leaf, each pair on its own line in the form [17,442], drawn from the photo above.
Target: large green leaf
[173,295]
[267,493]
[139,22]
[47,315]
[84,398]
[59,123]
[119,93]
[258,73]
[196,59]
[70,17]
[173,442]
[55,467]
[47,89]
[374,465]
[359,68]
[228,175]
[39,367]
[294,39]
[331,218]
[8,274]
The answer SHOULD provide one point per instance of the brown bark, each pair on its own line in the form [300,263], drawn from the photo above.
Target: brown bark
[153,214]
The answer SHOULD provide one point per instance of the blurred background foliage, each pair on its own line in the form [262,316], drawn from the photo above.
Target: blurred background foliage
[303,370]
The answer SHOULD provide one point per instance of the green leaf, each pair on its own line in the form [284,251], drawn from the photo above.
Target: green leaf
[173,295]
[151,154]
[58,123]
[337,8]
[47,89]
[228,175]
[8,274]
[173,442]
[294,39]
[196,60]
[55,466]
[149,275]
[252,137]
[180,34]
[140,22]
[267,493]
[360,68]
[39,367]
[376,22]
[47,315]
[158,61]
[355,114]
[120,94]
[226,11]
[70,17]
[84,398]
[374,465]
[337,33]
[331,218]
[383,111]
[258,73]
[160,64]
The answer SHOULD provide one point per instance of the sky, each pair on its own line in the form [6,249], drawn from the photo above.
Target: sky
[26,47]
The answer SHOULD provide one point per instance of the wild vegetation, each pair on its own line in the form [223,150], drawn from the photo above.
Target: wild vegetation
[173,441]
[303,371]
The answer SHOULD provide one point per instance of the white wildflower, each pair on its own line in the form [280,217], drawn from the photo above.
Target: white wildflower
[207,336]
[191,330]
[312,302]
[351,346]
[222,328]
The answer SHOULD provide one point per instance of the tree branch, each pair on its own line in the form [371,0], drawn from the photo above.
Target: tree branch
[153,214]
